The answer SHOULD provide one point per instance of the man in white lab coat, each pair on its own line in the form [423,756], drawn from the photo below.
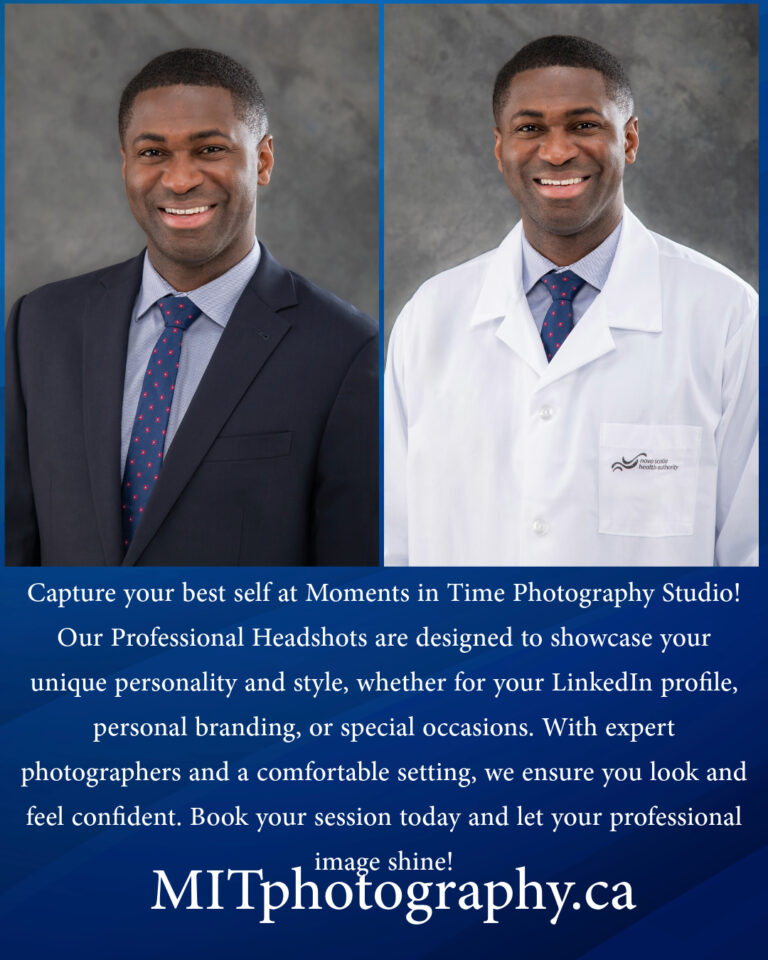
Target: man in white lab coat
[587,392]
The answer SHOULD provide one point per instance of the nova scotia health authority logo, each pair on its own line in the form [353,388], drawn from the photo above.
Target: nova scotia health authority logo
[642,461]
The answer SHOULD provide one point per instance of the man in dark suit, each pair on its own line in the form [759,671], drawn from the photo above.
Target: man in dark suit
[245,432]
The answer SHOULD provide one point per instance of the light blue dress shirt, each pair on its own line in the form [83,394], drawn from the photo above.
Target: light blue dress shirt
[216,301]
[594,269]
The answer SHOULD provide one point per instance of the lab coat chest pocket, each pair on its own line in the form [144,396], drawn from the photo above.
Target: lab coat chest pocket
[648,479]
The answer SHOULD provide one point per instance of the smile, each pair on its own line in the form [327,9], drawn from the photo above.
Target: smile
[187,218]
[561,183]
[188,212]
[562,189]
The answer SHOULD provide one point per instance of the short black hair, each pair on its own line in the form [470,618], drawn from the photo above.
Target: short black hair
[199,68]
[563,51]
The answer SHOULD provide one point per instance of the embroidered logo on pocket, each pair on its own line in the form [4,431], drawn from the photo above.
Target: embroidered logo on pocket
[644,462]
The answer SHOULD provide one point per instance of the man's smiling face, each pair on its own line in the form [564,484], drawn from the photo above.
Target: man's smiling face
[191,168]
[561,145]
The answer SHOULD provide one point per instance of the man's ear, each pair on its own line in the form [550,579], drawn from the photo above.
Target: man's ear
[266,151]
[122,154]
[497,147]
[631,140]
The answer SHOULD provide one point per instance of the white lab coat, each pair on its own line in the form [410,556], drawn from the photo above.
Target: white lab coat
[636,445]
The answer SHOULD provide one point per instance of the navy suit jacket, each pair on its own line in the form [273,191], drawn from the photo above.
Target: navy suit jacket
[274,463]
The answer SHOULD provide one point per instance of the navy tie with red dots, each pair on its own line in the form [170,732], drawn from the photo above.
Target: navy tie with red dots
[145,451]
[558,322]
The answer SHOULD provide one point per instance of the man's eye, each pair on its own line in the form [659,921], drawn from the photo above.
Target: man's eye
[586,125]
[149,152]
[527,128]
[212,148]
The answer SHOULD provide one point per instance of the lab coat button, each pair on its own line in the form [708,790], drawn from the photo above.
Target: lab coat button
[540,527]
[546,413]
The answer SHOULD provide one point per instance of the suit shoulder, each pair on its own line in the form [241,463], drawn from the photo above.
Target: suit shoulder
[61,292]
[336,315]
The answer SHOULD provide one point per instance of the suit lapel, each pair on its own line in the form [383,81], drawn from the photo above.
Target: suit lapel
[252,333]
[105,341]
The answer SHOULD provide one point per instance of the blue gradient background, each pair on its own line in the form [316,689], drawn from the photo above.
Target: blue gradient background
[86,893]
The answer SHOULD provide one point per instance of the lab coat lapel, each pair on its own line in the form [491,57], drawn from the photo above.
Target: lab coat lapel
[105,342]
[502,296]
[630,300]
[253,332]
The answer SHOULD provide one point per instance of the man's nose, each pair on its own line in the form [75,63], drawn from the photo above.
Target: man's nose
[558,148]
[181,174]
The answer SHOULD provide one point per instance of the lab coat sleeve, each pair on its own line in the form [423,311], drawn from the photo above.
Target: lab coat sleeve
[396,450]
[736,542]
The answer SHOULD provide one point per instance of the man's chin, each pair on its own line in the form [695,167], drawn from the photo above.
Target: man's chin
[563,226]
[187,251]
[565,229]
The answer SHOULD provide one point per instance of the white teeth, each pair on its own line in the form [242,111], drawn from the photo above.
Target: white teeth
[560,183]
[186,213]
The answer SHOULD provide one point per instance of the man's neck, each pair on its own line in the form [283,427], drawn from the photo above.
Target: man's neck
[565,250]
[187,277]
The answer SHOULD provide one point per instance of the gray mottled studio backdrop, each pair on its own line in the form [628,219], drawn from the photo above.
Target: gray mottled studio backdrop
[66,66]
[693,69]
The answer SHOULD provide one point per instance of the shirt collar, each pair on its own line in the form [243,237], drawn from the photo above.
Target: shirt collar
[216,299]
[594,268]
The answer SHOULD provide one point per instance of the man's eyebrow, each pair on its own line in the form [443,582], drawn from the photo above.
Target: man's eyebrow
[200,135]
[154,137]
[538,114]
[527,113]
[214,132]
[580,111]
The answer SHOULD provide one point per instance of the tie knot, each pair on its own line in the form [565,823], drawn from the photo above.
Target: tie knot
[178,311]
[563,286]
